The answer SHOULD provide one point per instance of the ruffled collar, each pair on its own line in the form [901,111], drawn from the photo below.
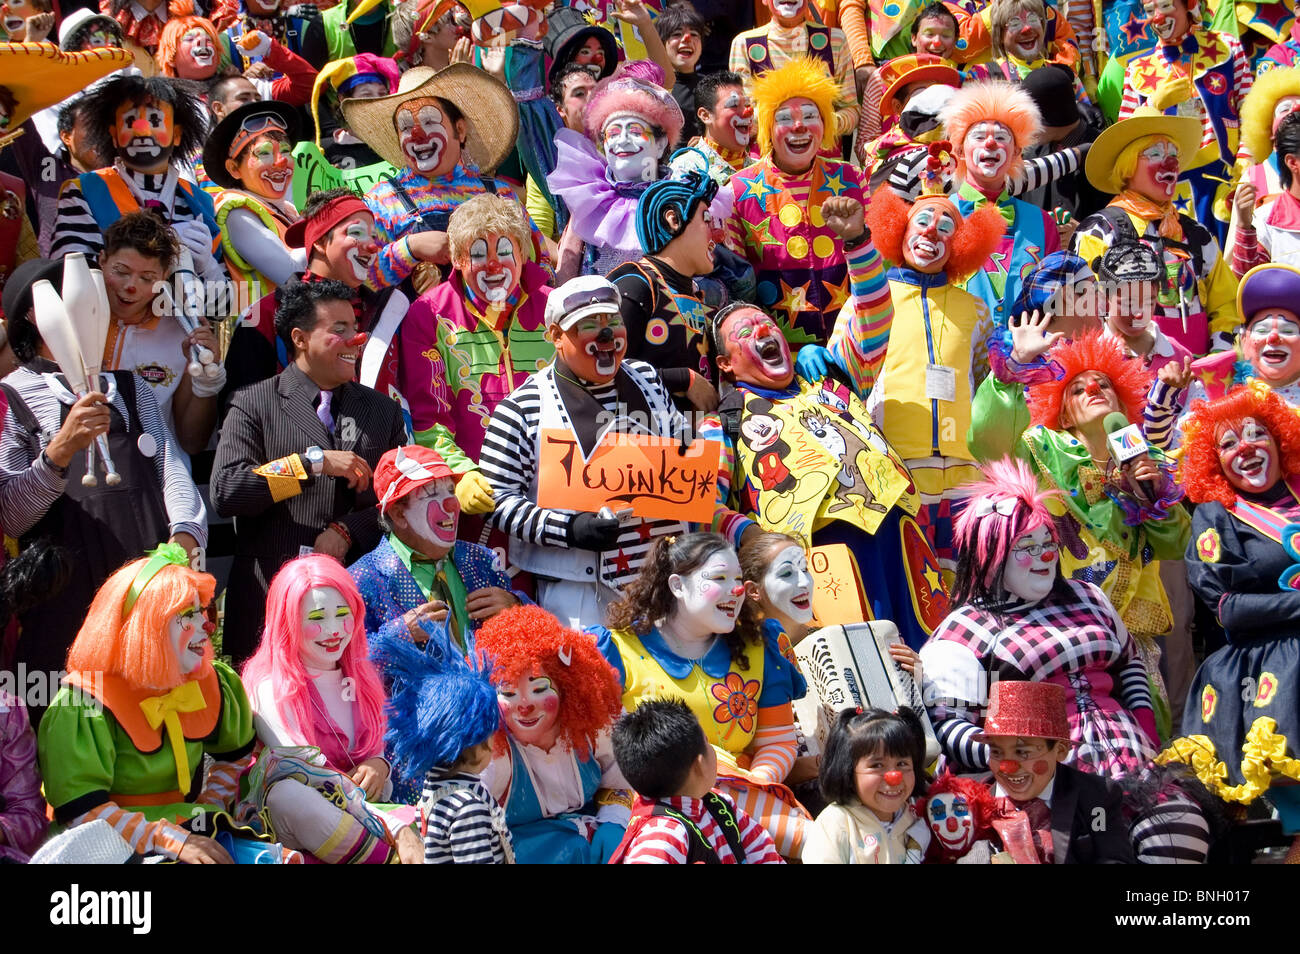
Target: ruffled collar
[715,663]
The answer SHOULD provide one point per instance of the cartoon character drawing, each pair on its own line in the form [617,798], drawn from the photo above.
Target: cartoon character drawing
[845,444]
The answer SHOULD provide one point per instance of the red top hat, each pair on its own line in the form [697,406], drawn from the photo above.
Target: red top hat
[404,469]
[1030,710]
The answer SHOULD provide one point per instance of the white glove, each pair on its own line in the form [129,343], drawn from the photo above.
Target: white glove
[255,44]
[202,386]
[194,235]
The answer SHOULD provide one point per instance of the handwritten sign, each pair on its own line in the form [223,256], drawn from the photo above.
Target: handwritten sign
[312,172]
[837,590]
[648,474]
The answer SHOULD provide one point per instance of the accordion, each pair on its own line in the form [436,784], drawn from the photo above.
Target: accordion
[849,666]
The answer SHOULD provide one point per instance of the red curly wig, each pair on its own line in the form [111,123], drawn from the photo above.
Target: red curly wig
[525,641]
[1202,474]
[978,798]
[1090,352]
[976,238]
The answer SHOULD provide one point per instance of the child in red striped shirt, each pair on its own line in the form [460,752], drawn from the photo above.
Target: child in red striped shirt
[678,818]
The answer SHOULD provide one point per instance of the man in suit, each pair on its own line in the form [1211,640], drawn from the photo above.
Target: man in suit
[1047,813]
[296,453]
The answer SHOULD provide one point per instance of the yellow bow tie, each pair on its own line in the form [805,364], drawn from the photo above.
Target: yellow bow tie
[164,710]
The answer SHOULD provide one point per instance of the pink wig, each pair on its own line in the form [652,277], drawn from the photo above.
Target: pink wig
[989,534]
[630,90]
[278,659]
[996,101]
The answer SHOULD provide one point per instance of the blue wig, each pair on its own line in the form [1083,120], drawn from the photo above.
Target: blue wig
[683,195]
[436,708]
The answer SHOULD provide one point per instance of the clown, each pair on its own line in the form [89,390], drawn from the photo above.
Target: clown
[143,703]
[249,155]
[631,125]
[1269,338]
[151,127]
[1200,74]
[142,21]
[1115,522]
[84,29]
[589,392]
[915,87]
[1271,231]
[190,48]
[847,486]
[727,116]
[1275,95]
[1023,37]
[1140,159]
[286,27]
[445,131]
[1241,463]
[1017,617]
[937,348]
[958,810]
[364,76]
[553,768]
[777,222]
[989,125]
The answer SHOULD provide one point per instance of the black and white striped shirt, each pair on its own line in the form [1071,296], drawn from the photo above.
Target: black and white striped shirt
[1173,832]
[75,228]
[463,823]
[905,172]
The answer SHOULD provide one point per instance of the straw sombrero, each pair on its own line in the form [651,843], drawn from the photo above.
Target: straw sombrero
[489,108]
[40,74]
[1185,131]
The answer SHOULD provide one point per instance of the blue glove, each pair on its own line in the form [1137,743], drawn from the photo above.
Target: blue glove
[813,362]
[605,840]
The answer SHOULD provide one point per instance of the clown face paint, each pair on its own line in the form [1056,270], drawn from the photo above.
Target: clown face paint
[196,55]
[684,47]
[350,249]
[531,711]
[787,585]
[433,514]
[325,624]
[1023,36]
[1284,108]
[936,36]
[797,131]
[145,134]
[1156,175]
[731,125]
[590,53]
[1023,767]
[266,168]
[950,821]
[494,267]
[884,783]
[757,352]
[1030,570]
[15,14]
[1169,19]
[594,347]
[988,150]
[1249,456]
[631,150]
[786,12]
[1089,397]
[188,632]
[930,229]
[709,597]
[423,134]
[1272,346]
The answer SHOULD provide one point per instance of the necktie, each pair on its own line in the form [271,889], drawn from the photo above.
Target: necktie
[323,410]
[453,624]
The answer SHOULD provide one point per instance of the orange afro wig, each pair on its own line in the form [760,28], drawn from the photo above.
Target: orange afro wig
[169,41]
[976,238]
[993,100]
[526,642]
[1202,473]
[1091,352]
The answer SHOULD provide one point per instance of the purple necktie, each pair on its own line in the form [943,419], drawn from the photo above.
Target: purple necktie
[323,411]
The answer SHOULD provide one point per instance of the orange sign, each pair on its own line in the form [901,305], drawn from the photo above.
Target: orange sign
[649,475]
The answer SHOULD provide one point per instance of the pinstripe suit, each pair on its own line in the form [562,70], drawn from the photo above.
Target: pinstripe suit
[274,419]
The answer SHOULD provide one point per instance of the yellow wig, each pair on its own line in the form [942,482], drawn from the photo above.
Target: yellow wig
[801,78]
[1257,110]
[999,102]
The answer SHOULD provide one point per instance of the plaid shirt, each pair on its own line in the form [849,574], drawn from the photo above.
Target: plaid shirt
[1073,638]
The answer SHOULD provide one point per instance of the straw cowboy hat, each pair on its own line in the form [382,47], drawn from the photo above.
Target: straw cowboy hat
[489,108]
[1184,131]
[40,75]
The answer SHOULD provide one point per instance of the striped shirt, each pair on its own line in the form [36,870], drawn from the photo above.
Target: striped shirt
[75,228]
[662,840]
[29,486]
[905,171]
[463,823]
[1173,832]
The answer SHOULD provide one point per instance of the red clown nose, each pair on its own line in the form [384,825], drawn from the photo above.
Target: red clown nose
[894,778]
[209,627]
[738,589]
[358,340]
[1008,766]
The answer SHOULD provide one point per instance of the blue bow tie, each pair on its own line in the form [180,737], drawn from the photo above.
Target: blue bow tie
[1174,51]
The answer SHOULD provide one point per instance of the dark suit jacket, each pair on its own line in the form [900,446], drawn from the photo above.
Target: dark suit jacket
[1088,826]
[270,420]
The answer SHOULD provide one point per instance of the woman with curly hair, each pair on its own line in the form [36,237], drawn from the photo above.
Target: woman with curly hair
[1242,468]
[684,630]
[553,767]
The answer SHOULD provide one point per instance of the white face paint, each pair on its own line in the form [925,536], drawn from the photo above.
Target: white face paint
[1031,569]
[787,584]
[631,150]
[988,147]
[1247,458]
[422,134]
[710,596]
[433,511]
[1284,107]
[188,632]
[928,233]
[950,820]
[326,623]
[494,275]
[740,116]
[788,9]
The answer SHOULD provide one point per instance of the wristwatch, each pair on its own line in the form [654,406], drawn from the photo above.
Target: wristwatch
[315,460]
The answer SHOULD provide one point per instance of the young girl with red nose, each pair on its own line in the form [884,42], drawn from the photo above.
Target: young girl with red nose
[872,771]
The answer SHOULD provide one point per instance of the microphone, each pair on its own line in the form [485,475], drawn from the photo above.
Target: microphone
[1125,442]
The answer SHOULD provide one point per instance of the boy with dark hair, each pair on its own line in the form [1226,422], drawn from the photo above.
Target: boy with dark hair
[678,818]
[935,30]
[682,29]
[726,116]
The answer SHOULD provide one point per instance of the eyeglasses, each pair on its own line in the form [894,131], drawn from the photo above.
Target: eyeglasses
[987,506]
[1036,549]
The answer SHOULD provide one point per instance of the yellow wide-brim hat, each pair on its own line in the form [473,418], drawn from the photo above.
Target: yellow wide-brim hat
[1184,131]
[40,74]
[490,111]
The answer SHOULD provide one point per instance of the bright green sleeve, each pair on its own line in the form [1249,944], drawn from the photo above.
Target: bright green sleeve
[541,211]
[999,415]
[234,730]
[76,748]
[439,438]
